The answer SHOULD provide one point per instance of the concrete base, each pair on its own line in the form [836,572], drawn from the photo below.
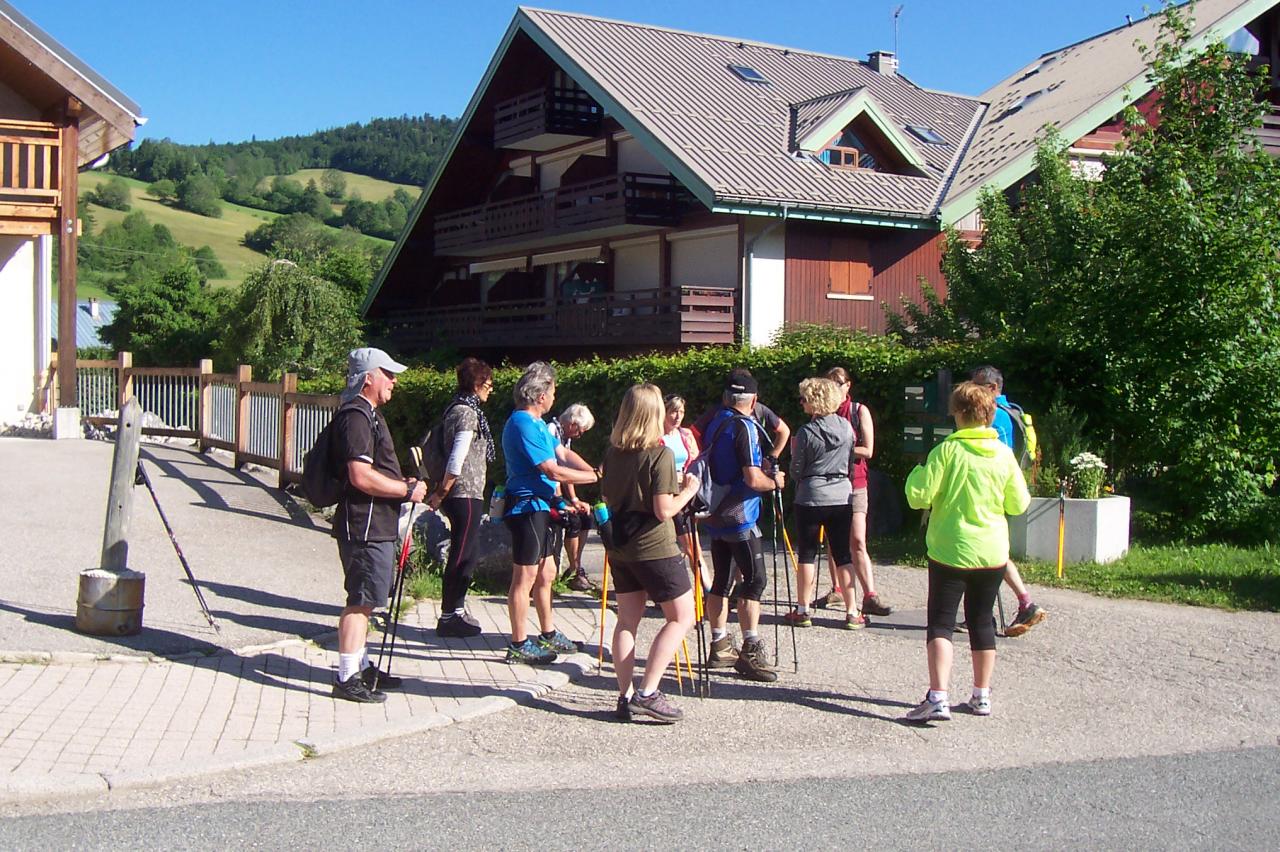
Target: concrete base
[110,602]
[66,424]
[1096,530]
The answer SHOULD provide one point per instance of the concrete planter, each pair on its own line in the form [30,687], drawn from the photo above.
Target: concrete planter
[1096,530]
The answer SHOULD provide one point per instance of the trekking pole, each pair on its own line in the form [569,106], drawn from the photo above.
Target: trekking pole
[604,601]
[817,569]
[795,653]
[397,599]
[777,626]
[699,608]
[1062,522]
[173,538]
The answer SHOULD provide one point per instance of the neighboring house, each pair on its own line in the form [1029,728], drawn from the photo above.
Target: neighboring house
[91,316]
[619,186]
[56,115]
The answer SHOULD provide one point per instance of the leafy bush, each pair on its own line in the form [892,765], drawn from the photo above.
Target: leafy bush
[113,194]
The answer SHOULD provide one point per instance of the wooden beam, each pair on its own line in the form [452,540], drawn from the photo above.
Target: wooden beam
[28,211]
[27,227]
[69,183]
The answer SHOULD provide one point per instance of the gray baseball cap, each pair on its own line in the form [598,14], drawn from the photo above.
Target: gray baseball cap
[366,360]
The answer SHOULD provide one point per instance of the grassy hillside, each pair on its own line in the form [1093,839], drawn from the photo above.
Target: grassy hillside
[368,188]
[223,235]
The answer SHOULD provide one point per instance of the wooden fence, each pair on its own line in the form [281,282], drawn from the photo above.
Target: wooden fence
[266,423]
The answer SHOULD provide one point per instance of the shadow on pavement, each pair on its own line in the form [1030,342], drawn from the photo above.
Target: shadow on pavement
[162,643]
[209,473]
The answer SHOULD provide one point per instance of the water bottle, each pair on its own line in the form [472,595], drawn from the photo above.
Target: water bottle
[604,525]
[498,503]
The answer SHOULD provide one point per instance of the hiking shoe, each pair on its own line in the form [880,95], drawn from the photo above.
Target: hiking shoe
[831,600]
[354,689]
[559,643]
[580,582]
[458,626]
[979,705]
[656,706]
[1028,617]
[530,652]
[962,627]
[855,622]
[872,605]
[723,655]
[622,712]
[929,711]
[753,663]
[798,619]
[375,678]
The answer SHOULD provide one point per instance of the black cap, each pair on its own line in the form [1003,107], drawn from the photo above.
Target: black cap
[741,381]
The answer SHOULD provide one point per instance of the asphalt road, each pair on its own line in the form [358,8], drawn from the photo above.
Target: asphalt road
[1213,800]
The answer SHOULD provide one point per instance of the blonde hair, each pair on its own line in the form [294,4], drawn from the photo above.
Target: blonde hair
[973,403]
[822,395]
[640,418]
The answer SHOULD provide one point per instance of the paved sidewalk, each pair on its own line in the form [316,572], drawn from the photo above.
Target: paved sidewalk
[129,721]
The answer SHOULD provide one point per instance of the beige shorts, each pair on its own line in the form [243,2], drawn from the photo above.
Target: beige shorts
[858,500]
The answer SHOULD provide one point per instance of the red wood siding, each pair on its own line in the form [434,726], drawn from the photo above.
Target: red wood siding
[818,255]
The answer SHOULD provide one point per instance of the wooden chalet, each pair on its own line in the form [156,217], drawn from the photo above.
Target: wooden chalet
[56,116]
[616,186]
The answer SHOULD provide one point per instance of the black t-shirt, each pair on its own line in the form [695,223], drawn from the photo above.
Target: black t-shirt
[361,434]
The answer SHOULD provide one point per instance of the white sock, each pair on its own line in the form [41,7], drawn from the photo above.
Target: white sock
[937,696]
[460,611]
[348,665]
[803,609]
[717,635]
[364,658]
[749,635]
[984,692]
[646,694]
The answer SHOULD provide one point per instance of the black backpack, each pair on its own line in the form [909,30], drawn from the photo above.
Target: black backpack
[323,484]
[710,493]
[434,452]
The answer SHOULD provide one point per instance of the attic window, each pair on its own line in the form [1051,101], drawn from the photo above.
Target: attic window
[926,134]
[746,72]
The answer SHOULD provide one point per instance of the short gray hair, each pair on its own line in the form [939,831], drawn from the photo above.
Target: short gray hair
[535,381]
[579,415]
[733,400]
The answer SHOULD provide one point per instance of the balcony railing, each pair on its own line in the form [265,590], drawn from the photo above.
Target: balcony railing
[532,119]
[625,199]
[661,317]
[1269,133]
[30,160]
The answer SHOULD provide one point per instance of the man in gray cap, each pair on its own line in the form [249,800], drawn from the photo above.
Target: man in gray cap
[367,516]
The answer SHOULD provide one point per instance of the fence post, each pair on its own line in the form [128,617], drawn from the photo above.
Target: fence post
[124,377]
[204,412]
[244,375]
[288,385]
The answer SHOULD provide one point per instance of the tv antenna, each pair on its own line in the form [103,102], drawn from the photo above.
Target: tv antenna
[897,12]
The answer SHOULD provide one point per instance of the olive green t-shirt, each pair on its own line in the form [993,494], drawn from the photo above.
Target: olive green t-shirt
[631,478]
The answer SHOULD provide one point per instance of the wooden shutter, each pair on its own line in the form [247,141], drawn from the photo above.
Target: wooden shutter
[850,267]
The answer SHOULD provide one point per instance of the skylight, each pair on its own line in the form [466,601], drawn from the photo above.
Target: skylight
[926,134]
[746,72]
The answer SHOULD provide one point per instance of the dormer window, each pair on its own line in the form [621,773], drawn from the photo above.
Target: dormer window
[840,157]
[848,151]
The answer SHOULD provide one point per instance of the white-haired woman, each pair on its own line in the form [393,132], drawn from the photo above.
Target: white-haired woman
[644,492]
[572,423]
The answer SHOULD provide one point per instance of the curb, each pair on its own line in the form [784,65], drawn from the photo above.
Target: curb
[79,658]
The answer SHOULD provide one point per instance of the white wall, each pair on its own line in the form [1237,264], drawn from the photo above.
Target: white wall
[17,326]
[632,157]
[637,266]
[766,283]
[709,260]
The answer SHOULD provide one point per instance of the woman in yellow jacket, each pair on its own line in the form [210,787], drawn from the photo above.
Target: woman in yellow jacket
[970,482]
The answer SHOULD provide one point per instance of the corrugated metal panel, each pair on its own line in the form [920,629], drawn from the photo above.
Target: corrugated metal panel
[899,260]
[734,134]
[86,325]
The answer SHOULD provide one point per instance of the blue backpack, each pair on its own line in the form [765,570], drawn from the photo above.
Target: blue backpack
[711,494]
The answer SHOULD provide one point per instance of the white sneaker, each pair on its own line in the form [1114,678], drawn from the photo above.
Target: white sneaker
[929,711]
[980,705]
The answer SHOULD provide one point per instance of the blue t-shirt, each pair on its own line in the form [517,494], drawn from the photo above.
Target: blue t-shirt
[527,443]
[675,443]
[1003,423]
[736,445]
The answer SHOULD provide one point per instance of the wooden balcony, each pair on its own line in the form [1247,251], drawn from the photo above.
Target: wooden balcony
[30,163]
[678,316]
[608,206]
[1269,133]
[546,118]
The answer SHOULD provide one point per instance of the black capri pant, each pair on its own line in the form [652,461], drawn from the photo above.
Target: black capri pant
[835,520]
[748,555]
[464,516]
[978,587]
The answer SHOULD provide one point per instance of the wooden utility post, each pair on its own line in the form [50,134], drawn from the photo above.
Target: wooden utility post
[111,596]
[69,192]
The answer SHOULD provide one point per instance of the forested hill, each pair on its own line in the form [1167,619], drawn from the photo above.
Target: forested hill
[401,150]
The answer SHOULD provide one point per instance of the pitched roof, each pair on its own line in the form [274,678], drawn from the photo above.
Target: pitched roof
[731,135]
[87,326]
[1075,89]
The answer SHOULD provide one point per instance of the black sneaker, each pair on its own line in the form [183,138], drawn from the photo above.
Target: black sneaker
[458,626]
[580,582]
[376,679]
[1028,617]
[623,711]
[354,689]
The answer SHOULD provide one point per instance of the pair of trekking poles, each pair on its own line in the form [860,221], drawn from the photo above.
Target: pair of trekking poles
[388,649]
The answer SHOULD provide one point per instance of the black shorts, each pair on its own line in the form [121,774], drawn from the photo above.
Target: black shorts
[531,537]
[367,568]
[835,520]
[576,523]
[664,579]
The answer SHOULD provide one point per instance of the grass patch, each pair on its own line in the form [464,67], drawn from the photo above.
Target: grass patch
[1215,575]
[368,188]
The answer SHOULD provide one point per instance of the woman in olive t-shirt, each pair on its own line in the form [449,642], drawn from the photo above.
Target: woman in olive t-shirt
[644,493]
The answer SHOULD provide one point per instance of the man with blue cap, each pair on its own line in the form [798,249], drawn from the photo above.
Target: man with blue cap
[367,517]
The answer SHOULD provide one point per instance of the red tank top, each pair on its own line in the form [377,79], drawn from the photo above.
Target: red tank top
[852,412]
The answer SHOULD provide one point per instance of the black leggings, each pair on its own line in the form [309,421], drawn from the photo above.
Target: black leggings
[464,522]
[748,556]
[979,587]
[835,520]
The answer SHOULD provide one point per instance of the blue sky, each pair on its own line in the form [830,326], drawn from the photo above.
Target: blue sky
[225,70]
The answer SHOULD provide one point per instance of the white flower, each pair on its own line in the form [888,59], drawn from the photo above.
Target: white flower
[1087,461]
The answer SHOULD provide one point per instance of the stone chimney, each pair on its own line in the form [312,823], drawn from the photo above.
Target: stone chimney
[93,308]
[883,62]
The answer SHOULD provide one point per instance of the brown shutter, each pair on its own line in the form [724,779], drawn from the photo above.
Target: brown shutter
[850,266]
